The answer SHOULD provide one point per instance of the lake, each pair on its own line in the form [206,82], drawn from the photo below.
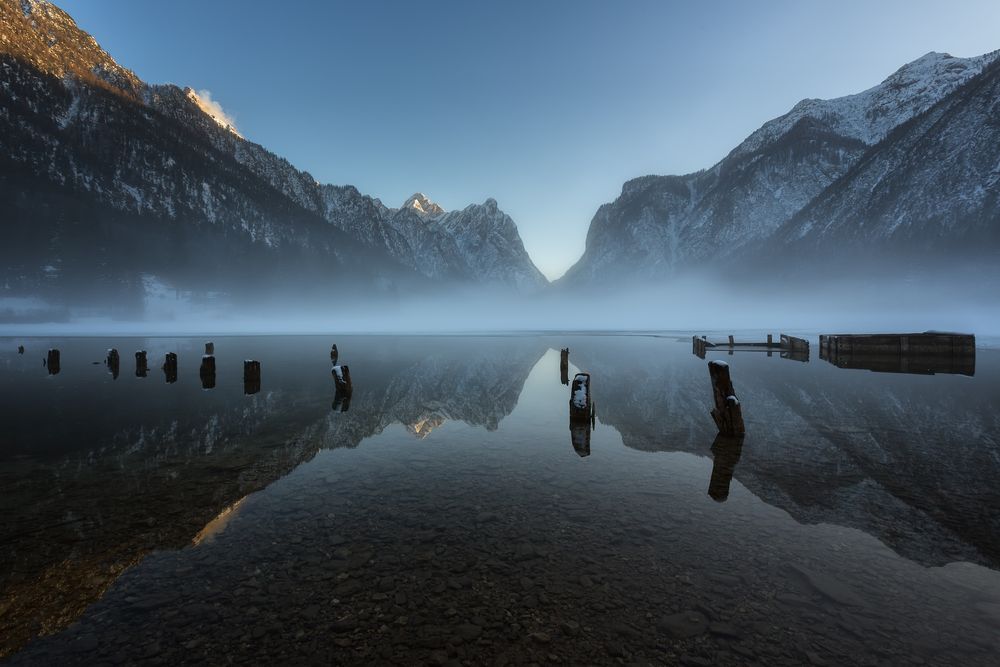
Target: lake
[445,513]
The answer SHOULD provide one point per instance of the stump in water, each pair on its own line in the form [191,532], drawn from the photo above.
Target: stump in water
[251,376]
[209,348]
[20,349]
[342,379]
[564,365]
[727,413]
[141,369]
[113,362]
[170,367]
[581,404]
[726,452]
[207,370]
[334,354]
[52,361]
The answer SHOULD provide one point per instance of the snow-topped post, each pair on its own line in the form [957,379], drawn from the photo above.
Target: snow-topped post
[141,367]
[209,348]
[207,369]
[342,380]
[564,365]
[113,362]
[727,413]
[334,354]
[251,376]
[580,402]
[52,361]
[170,367]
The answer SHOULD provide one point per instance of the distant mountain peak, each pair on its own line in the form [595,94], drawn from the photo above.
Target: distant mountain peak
[422,205]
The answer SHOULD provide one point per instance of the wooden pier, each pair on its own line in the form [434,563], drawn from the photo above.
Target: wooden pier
[924,353]
[789,347]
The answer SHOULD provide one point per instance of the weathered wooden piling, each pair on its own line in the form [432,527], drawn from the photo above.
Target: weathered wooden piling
[770,340]
[207,370]
[52,360]
[209,348]
[581,402]
[727,413]
[726,454]
[141,368]
[113,362]
[564,365]
[334,354]
[342,379]
[921,353]
[170,367]
[732,341]
[20,349]
[251,376]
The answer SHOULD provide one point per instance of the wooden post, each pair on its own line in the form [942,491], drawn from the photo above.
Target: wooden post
[564,365]
[141,369]
[20,349]
[770,340]
[342,380]
[113,362]
[170,367]
[251,376]
[580,401]
[209,348]
[52,361]
[727,413]
[732,342]
[334,354]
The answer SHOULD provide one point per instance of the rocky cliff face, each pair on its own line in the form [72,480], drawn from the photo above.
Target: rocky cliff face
[662,225]
[148,179]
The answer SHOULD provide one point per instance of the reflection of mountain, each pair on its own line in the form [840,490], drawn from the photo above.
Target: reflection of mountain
[910,459]
[470,380]
[157,466]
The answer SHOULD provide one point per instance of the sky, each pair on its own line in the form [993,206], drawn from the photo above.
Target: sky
[546,106]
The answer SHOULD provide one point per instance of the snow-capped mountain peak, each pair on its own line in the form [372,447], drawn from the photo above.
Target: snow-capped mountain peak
[419,202]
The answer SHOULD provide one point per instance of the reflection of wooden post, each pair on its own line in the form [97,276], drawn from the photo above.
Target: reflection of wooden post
[564,365]
[207,370]
[727,413]
[334,354]
[342,380]
[251,376]
[579,435]
[726,452]
[341,402]
[52,361]
[170,367]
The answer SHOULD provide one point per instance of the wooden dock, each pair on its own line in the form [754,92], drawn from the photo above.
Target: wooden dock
[924,353]
[789,347]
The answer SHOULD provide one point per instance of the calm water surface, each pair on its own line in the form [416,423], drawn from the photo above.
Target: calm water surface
[444,515]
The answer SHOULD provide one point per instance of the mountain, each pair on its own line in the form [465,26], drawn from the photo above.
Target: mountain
[662,225]
[109,182]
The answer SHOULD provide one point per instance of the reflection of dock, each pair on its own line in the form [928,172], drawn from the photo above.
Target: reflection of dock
[919,353]
[789,347]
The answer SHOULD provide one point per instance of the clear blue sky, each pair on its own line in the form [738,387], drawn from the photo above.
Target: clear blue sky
[548,106]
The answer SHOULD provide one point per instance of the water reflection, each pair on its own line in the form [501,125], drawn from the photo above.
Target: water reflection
[908,460]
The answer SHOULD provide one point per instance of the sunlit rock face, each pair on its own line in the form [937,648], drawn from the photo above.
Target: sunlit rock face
[172,180]
[827,169]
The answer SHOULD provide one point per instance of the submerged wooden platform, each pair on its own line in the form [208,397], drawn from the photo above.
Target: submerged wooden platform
[924,353]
